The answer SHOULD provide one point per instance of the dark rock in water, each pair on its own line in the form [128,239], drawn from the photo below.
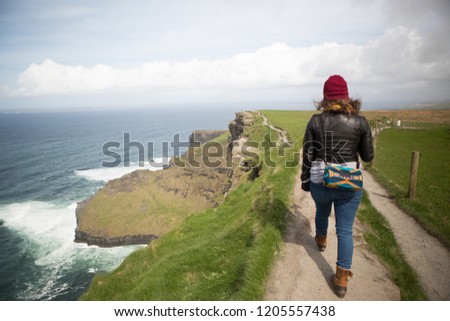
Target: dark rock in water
[1,222]
[82,237]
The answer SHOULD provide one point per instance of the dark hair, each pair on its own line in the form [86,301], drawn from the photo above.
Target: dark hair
[346,106]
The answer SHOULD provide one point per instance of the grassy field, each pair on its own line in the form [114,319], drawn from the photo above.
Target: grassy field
[392,167]
[410,117]
[220,254]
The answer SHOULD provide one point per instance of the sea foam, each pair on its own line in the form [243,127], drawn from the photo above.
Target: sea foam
[49,231]
[106,174]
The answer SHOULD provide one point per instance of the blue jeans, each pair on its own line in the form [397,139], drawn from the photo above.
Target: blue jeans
[345,206]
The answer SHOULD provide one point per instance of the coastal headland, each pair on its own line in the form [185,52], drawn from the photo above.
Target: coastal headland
[144,205]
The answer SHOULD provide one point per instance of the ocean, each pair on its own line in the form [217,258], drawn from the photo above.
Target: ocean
[49,161]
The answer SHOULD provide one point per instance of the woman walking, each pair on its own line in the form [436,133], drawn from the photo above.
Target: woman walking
[337,136]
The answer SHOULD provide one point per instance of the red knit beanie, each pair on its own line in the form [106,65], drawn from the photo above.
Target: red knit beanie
[335,88]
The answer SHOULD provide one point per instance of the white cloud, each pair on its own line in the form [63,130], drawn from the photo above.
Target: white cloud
[394,57]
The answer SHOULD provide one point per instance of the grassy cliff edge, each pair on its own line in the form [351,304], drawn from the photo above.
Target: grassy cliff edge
[222,253]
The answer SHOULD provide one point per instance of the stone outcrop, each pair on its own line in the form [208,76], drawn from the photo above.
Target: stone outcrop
[242,122]
[238,137]
[239,153]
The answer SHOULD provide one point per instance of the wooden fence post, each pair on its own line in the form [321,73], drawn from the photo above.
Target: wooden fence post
[372,163]
[413,174]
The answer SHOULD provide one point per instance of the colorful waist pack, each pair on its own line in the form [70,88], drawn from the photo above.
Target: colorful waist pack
[345,178]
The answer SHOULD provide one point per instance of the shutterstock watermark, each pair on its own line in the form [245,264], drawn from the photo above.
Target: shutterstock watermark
[213,154]
[329,147]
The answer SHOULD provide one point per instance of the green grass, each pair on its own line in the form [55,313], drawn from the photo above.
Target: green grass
[219,254]
[392,166]
[382,242]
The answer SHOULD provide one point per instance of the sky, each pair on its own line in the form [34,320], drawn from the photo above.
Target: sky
[61,55]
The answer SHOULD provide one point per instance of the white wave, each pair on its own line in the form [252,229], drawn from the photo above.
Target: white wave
[50,230]
[108,173]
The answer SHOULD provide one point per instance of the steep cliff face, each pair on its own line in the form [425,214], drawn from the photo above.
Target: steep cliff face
[144,205]
[238,137]
[103,241]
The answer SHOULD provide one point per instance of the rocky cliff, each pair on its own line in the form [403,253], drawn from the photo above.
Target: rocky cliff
[144,205]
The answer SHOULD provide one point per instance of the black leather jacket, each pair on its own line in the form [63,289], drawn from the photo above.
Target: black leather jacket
[346,138]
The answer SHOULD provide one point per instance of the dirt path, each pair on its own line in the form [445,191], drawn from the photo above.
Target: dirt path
[426,255]
[282,135]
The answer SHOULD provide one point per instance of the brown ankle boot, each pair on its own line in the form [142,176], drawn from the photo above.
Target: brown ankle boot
[321,242]
[340,280]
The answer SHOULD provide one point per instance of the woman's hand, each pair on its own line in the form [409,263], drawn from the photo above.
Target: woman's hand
[305,187]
